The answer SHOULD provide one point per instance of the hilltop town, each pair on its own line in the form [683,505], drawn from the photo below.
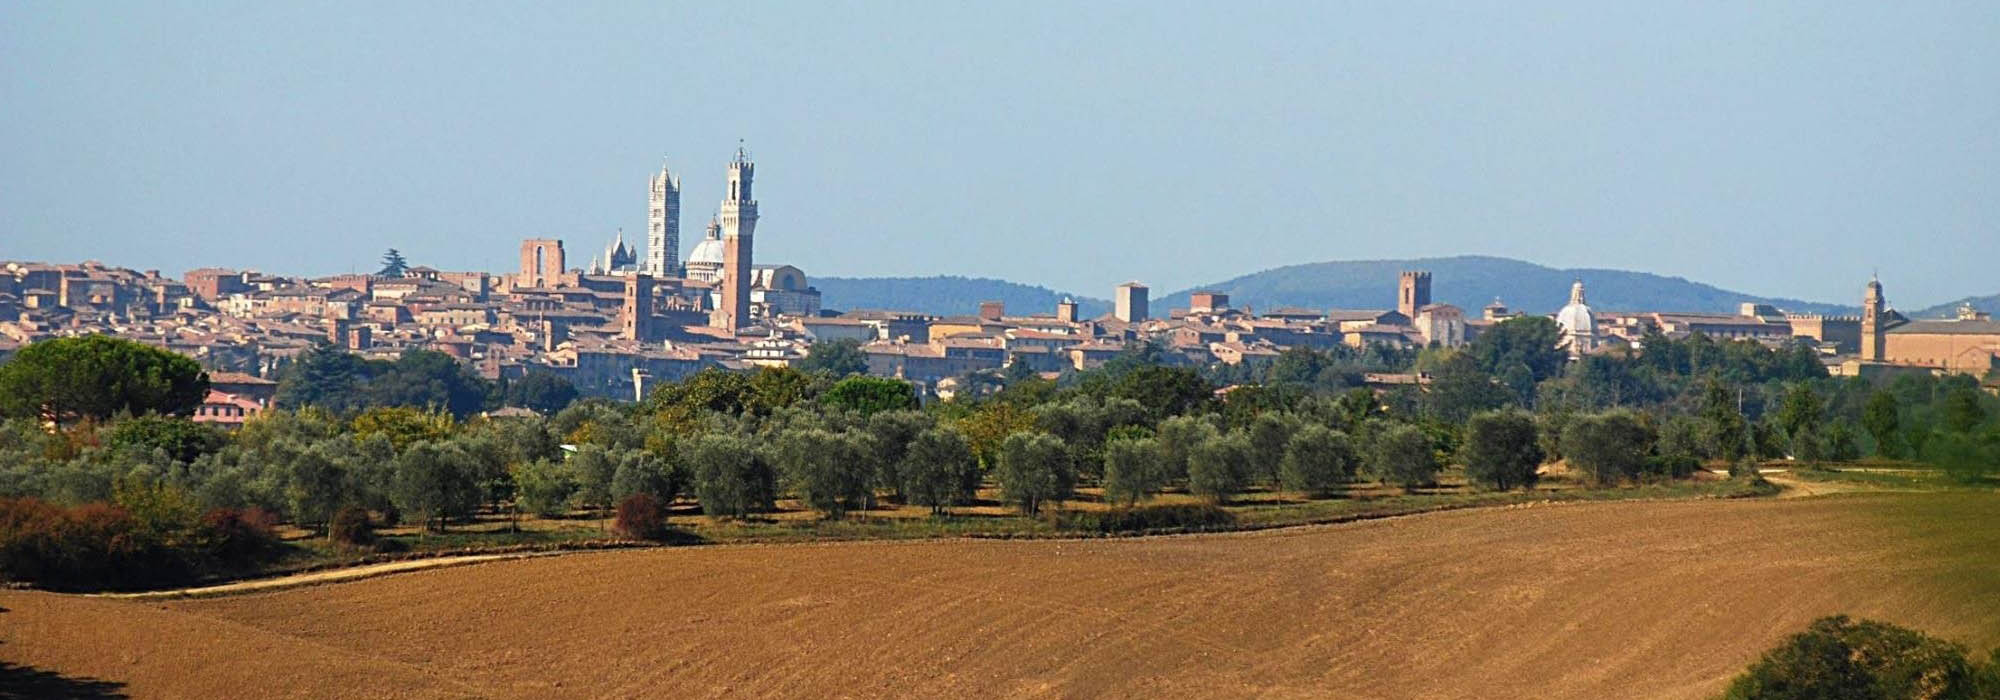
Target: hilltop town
[625,319]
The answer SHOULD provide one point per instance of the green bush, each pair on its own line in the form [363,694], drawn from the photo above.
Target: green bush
[1840,658]
[1154,518]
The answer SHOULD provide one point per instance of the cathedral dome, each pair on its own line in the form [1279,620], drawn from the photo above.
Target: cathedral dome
[708,251]
[1575,318]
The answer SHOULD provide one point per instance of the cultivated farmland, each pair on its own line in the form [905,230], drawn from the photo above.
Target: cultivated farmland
[1652,599]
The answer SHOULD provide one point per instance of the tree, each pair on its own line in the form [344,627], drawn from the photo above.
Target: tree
[1317,459]
[1967,458]
[731,480]
[1459,389]
[1035,471]
[1402,456]
[890,435]
[1166,391]
[1218,467]
[1808,445]
[543,487]
[1609,447]
[870,395]
[1882,417]
[1725,429]
[1269,435]
[639,472]
[593,468]
[97,377]
[181,439]
[1961,411]
[1525,341]
[1840,445]
[1501,450]
[317,485]
[542,392]
[428,378]
[1802,408]
[840,358]
[1178,437]
[939,469]
[393,264]
[327,377]
[1132,470]
[435,480]
[404,425]
[826,470]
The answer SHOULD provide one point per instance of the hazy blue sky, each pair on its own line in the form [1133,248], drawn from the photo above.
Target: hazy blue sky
[1776,148]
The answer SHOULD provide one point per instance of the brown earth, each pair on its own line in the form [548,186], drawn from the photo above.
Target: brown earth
[1634,600]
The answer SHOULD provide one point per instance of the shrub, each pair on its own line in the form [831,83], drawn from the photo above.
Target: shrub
[1154,518]
[730,479]
[238,536]
[351,526]
[641,516]
[1839,658]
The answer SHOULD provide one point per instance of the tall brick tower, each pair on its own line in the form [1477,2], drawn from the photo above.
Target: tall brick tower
[1413,292]
[1872,307]
[635,316]
[739,226]
[663,225]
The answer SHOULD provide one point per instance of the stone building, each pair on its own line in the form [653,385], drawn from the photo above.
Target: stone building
[1969,344]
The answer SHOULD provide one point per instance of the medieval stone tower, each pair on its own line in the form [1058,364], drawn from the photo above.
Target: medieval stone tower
[663,226]
[1872,308]
[739,226]
[1413,292]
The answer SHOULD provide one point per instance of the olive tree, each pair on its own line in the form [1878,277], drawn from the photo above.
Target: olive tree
[1132,470]
[1402,456]
[1318,459]
[1501,450]
[1217,467]
[939,469]
[1035,470]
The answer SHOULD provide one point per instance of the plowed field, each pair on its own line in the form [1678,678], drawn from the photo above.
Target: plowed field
[1656,599]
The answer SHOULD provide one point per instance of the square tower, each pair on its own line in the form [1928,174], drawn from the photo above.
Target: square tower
[1130,302]
[1413,292]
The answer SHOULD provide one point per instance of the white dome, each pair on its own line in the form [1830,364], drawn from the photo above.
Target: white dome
[1575,318]
[708,251]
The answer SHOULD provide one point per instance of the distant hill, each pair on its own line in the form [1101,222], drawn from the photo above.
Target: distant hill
[945,295]
[1989,304]
[1472,282]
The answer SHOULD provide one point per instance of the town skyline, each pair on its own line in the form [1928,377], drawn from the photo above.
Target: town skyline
[1568,135]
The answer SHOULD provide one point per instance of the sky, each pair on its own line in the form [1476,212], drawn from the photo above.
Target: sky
[1776,148]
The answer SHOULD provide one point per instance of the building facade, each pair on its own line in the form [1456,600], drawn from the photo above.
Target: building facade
[663,225]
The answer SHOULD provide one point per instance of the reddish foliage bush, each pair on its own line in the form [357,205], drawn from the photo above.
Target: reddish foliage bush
[239,535]
[641,516]
[99,545]
[351,526]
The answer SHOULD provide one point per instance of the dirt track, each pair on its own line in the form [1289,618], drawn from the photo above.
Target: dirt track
[1664,599]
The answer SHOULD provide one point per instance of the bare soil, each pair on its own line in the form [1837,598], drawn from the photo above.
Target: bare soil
[1630,600]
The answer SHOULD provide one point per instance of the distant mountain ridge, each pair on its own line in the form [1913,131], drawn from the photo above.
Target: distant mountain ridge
[946,295]
[1468,281]
[1989,304]
[1473,281]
